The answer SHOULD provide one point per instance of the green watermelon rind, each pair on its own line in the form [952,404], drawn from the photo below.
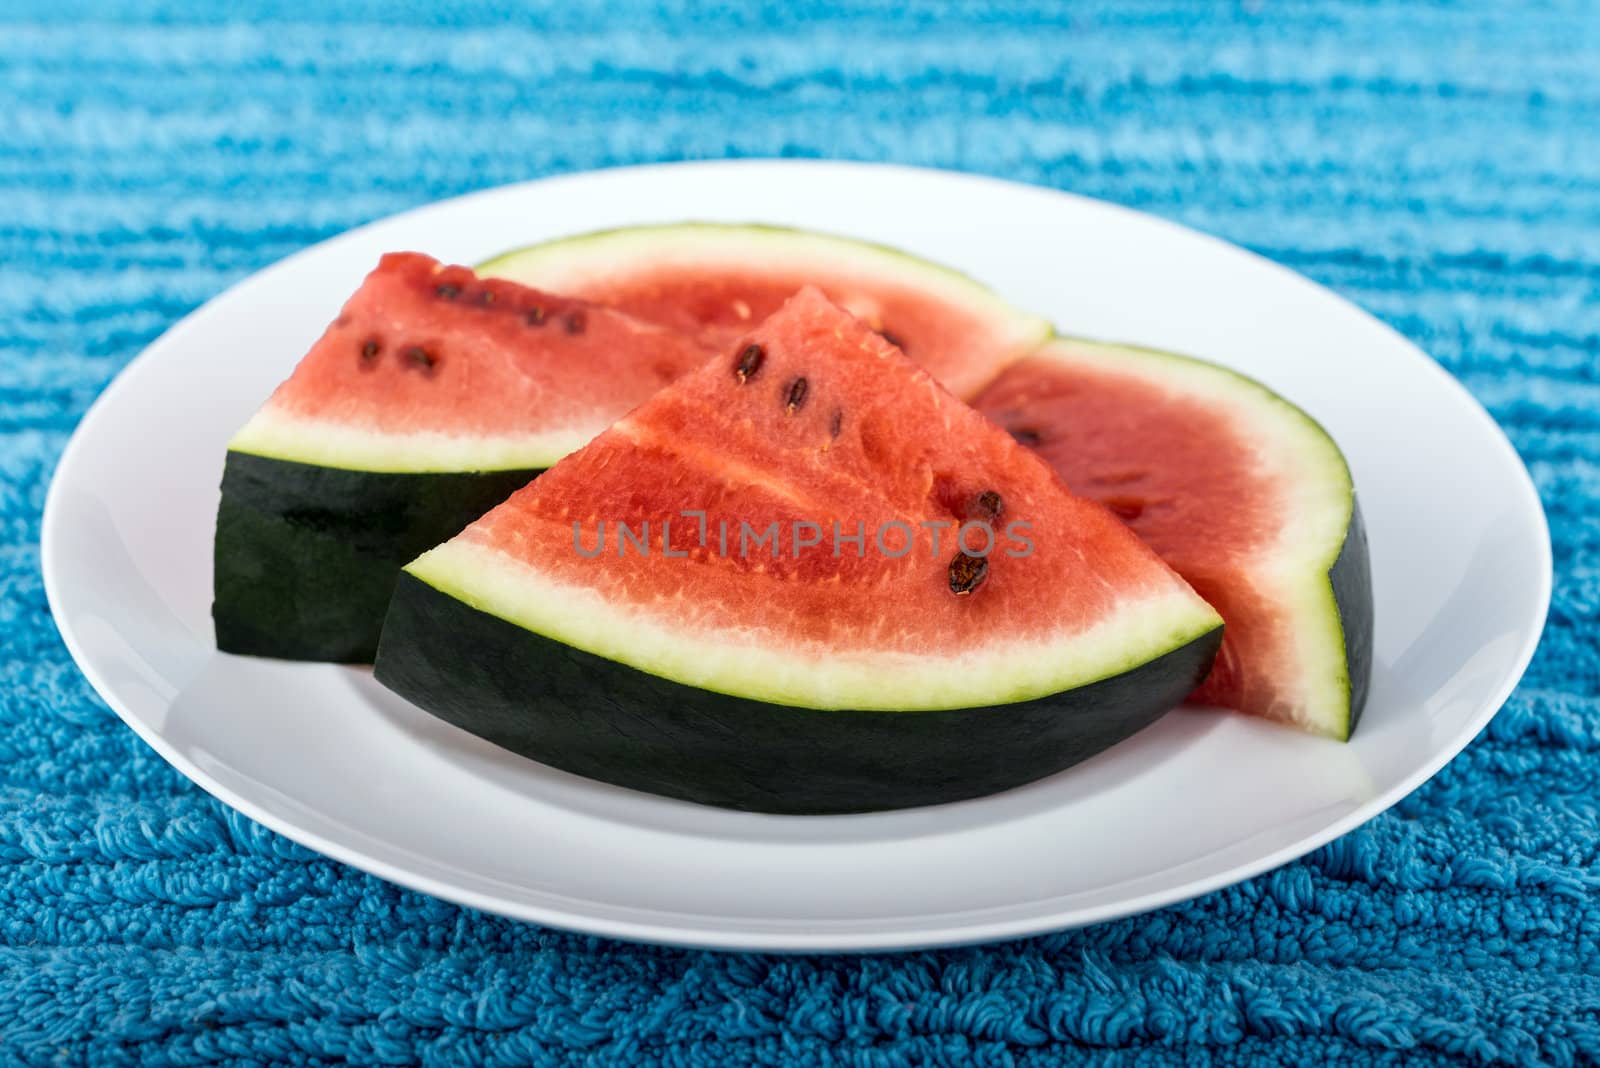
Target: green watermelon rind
[1334,603]
[306,555]
[589,715]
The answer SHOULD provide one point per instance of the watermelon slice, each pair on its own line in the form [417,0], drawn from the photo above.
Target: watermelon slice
[431,397]
[1236,488]
[720,280]
[672,608]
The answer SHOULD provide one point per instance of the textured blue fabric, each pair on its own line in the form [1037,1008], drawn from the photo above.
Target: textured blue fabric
[1438,164]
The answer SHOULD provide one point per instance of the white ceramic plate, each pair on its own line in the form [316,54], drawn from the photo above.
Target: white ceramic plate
[322,754]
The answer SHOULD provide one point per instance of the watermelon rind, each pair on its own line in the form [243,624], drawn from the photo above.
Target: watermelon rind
[306,555]
[594,716]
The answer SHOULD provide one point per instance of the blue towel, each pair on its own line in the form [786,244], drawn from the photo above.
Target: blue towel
[1438,164]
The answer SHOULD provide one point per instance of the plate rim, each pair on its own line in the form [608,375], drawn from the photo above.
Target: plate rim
[1040,919]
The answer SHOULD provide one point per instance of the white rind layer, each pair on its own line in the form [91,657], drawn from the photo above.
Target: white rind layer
[283,435]
[1297,455]
[778,670]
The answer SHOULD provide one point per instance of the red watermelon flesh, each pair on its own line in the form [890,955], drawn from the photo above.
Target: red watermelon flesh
[1239,491]
[814,418]
[721,280]
[430,368]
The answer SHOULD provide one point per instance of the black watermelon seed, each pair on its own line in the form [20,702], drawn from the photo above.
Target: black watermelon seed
[448,291]
[370,349]
[535,316]
[1126,508]
[892,339]
[1025,436]
[836,422]
[797,395]
[967,573]
[575,321]
[418,356]
[749,362]
[986,505]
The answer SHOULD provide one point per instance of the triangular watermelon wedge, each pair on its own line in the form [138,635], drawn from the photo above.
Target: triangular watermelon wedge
[808,672]
[430,398]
